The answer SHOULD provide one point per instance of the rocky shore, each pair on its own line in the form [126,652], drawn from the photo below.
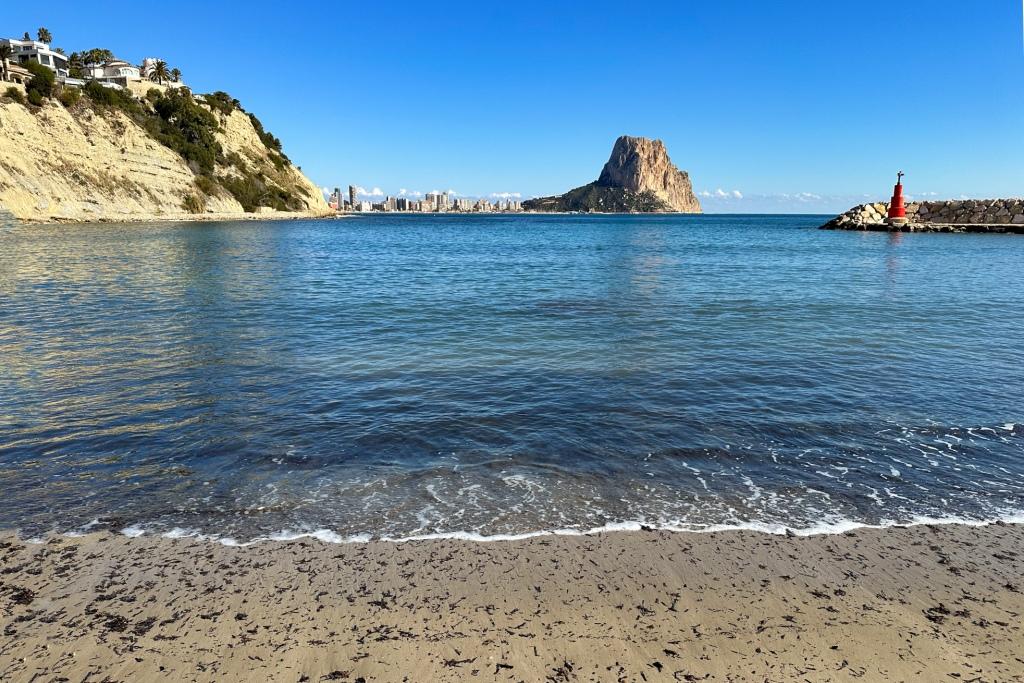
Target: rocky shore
[967,215]
[923,603]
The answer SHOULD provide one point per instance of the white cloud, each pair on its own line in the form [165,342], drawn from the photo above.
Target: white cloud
[453,193]
[721,194]
[375,192]
[506,195]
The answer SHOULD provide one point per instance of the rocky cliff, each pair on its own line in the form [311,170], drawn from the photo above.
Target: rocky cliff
[639,177]
[85,161]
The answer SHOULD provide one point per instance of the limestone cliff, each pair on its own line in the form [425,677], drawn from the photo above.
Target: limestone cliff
[639,177]
[90,163]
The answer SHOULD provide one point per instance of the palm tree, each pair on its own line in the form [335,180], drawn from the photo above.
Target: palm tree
[44,35]
[76,65]
[5,54]
[97,56]
[159,72]
[176,75]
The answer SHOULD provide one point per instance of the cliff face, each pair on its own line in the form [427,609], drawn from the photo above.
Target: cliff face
[639,177]
[88,164]
[642,165]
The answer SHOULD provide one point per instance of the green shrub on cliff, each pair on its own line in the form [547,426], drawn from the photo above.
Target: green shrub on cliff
[114,98]
[193,203]
[15,94]
[222,102]
[253,192]
[69,97]
[187,128]
[41,82]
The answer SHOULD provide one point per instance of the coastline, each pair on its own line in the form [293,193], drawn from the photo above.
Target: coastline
[178,218]
[903,603]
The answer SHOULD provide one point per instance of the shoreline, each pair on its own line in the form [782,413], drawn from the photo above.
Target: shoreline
[330,536]
[901,603]
[172,218]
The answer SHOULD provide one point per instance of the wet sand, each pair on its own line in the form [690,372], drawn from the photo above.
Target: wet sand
[926,603]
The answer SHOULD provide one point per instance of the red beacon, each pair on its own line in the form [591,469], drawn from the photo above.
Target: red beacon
[897,210]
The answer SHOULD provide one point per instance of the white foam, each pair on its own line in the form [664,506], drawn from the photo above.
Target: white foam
[325,535]
[823,528]
[83,530]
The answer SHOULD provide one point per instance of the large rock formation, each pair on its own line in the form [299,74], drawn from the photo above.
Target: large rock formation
[90,163]
[639,177]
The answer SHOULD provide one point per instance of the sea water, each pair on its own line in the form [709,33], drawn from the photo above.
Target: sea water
[484,377]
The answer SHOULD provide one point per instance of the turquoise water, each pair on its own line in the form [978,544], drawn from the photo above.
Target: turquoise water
[399,376]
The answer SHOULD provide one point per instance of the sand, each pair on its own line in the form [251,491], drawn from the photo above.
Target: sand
[925,603]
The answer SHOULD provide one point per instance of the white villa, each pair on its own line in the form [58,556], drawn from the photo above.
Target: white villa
[115,73]
[24,51]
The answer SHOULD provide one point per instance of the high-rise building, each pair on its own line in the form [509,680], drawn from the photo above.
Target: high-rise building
[352,196]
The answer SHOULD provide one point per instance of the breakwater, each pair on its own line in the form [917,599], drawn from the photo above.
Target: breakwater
[966,215]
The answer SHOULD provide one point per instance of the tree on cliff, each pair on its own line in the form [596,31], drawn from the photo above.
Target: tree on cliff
[5,55]
[44,35]
[176,75]
[160,72]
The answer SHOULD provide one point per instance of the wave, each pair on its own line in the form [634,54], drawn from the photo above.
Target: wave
[835,527]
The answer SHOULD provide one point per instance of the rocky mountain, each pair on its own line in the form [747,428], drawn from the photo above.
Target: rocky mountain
[166,156]
[639,177]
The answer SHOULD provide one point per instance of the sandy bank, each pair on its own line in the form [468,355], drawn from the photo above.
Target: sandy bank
[922,603]
[187,218]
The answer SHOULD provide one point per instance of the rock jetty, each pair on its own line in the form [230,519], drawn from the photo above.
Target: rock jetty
[638,178]
[961,215]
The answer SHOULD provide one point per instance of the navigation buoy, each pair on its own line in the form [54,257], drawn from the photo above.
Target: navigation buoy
[897,209]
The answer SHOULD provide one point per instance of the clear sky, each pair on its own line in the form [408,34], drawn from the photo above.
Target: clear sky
[771,106]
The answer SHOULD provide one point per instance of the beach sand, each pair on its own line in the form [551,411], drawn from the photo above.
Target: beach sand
[924,603]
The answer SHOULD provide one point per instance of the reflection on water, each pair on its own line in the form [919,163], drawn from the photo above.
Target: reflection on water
[411,375]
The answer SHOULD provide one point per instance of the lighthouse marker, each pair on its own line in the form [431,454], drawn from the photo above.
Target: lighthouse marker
[897,210]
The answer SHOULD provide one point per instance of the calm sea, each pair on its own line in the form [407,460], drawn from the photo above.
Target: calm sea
[397,376]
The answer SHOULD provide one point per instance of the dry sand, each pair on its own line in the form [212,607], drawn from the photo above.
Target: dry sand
[906,604]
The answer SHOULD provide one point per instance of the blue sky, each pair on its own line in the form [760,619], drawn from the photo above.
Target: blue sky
[771,106]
